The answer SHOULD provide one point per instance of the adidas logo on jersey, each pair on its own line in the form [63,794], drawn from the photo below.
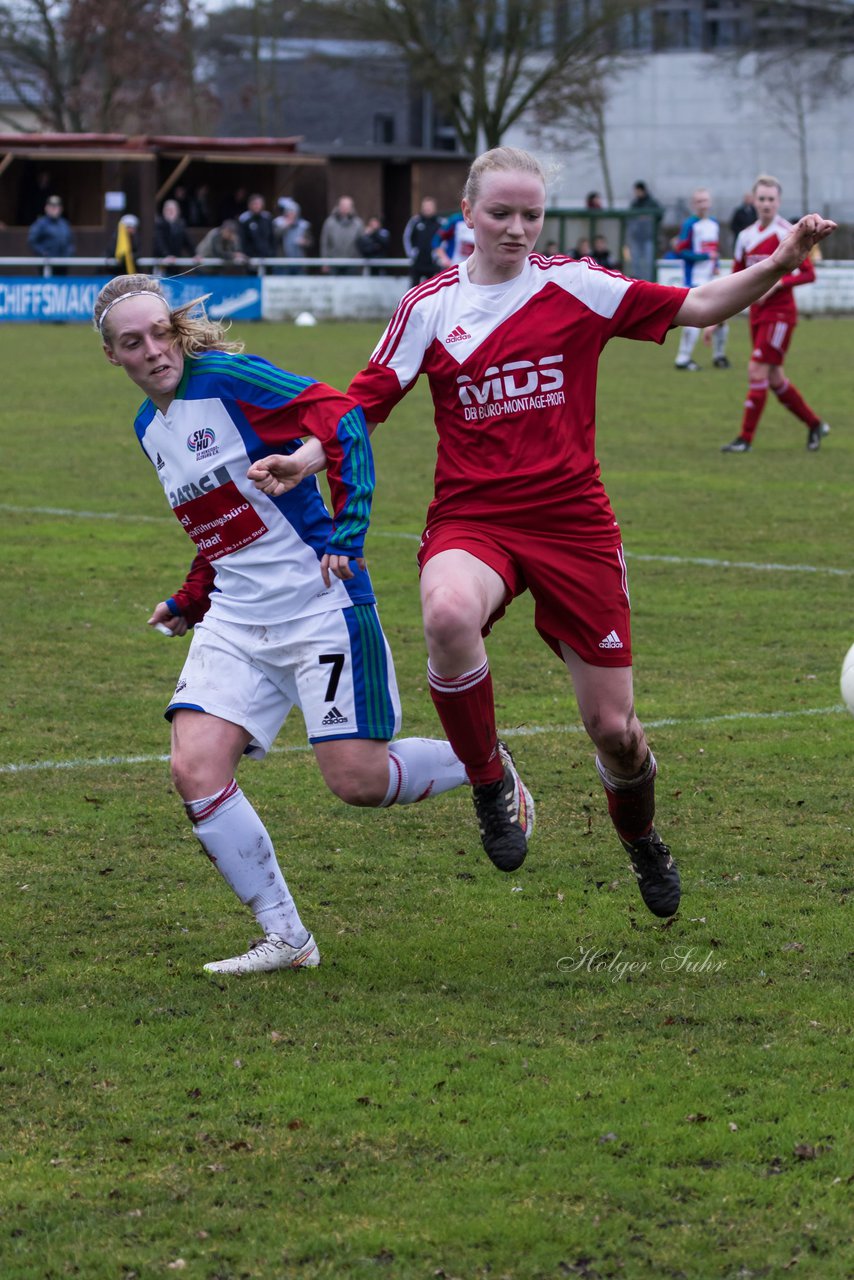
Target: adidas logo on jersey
[160,464]
[611,641]
[458,335]
[333,716]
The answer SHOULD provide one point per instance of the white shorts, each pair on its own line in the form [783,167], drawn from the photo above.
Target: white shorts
[336,667]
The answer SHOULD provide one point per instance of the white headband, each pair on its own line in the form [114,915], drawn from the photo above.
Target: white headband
[135,293]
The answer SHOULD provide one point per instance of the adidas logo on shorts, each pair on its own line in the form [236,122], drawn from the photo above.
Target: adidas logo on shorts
[333,716]
[611,641]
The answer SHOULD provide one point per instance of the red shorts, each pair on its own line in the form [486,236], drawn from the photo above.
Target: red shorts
[770,340]
[579,587]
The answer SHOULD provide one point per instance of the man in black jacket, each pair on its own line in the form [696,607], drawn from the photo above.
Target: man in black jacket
[256,229]
[418,236]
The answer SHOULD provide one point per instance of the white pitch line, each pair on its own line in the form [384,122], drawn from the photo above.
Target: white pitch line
[742,564]
[525,731]
[81,515]
[706,562]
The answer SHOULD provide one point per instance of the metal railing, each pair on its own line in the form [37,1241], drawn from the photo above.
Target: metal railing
[256,266]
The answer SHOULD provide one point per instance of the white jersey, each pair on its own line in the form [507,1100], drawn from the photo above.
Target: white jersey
[229,411]
[698,245]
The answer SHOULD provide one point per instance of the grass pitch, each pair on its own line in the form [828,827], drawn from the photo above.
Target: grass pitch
[489,1076]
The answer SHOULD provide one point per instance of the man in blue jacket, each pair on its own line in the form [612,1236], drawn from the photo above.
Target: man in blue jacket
[50,235]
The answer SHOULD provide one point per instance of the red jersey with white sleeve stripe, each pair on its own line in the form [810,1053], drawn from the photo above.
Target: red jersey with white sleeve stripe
[512,370]
[755,244]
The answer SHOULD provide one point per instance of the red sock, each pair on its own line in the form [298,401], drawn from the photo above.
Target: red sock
[757,394]
[791,397]
[466,708]
[631,801]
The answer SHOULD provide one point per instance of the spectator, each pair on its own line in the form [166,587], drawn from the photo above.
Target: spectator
[292,233]
[420,236]
[593,200]
[374,242]
[256,229]
[582,249]
[551,248]
[640,233]
[743,215]
[601,252]
[232,206]
[171,238]
[224,243]
[36,186]
[339,235]
[199,211]
[125,248]
[51,236]
[181,195]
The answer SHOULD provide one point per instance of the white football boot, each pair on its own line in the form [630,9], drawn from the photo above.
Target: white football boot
[269,954]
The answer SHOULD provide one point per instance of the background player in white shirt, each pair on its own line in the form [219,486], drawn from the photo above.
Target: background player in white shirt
[284,605]
[698,245]
[510,343]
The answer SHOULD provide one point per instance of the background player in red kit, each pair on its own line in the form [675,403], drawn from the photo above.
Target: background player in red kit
[772,321]
[510,343]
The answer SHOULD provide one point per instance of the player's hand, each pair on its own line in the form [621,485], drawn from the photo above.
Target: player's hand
[163,617]
[708,334]
[277,474]
[809,231]
[337,566]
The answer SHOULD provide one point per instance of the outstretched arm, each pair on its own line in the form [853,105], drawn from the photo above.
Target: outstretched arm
[278,473]
[725,296]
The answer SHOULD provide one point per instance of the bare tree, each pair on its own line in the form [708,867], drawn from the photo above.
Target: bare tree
[797,86]
[798,55]
[249,38]
[102,65]
[574,118]
[487,63]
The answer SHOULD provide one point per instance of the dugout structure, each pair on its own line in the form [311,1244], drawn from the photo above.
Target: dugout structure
[83,168]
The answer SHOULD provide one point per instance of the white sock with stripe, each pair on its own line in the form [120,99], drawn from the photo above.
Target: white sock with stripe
[419,768]
[686,344]
[237,843]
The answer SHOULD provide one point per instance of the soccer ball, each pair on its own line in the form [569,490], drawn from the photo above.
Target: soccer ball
[305,319]
[846,681]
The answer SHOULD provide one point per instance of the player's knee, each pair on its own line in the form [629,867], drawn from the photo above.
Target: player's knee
[619,738]
[449,619]
[364,790]
[190,778]
[362,786]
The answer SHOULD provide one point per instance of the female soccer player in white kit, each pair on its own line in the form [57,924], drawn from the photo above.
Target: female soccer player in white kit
[279,591]
[510,342]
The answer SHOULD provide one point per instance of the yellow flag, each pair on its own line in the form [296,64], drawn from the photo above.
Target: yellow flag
[124,250]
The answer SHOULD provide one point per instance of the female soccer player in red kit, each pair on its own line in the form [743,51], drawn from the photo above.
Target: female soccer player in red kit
[772,322]
[510,342]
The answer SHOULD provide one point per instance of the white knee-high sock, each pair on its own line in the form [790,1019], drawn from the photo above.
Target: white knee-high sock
[719,338]
[421,767]
[686,344]
[236,841]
